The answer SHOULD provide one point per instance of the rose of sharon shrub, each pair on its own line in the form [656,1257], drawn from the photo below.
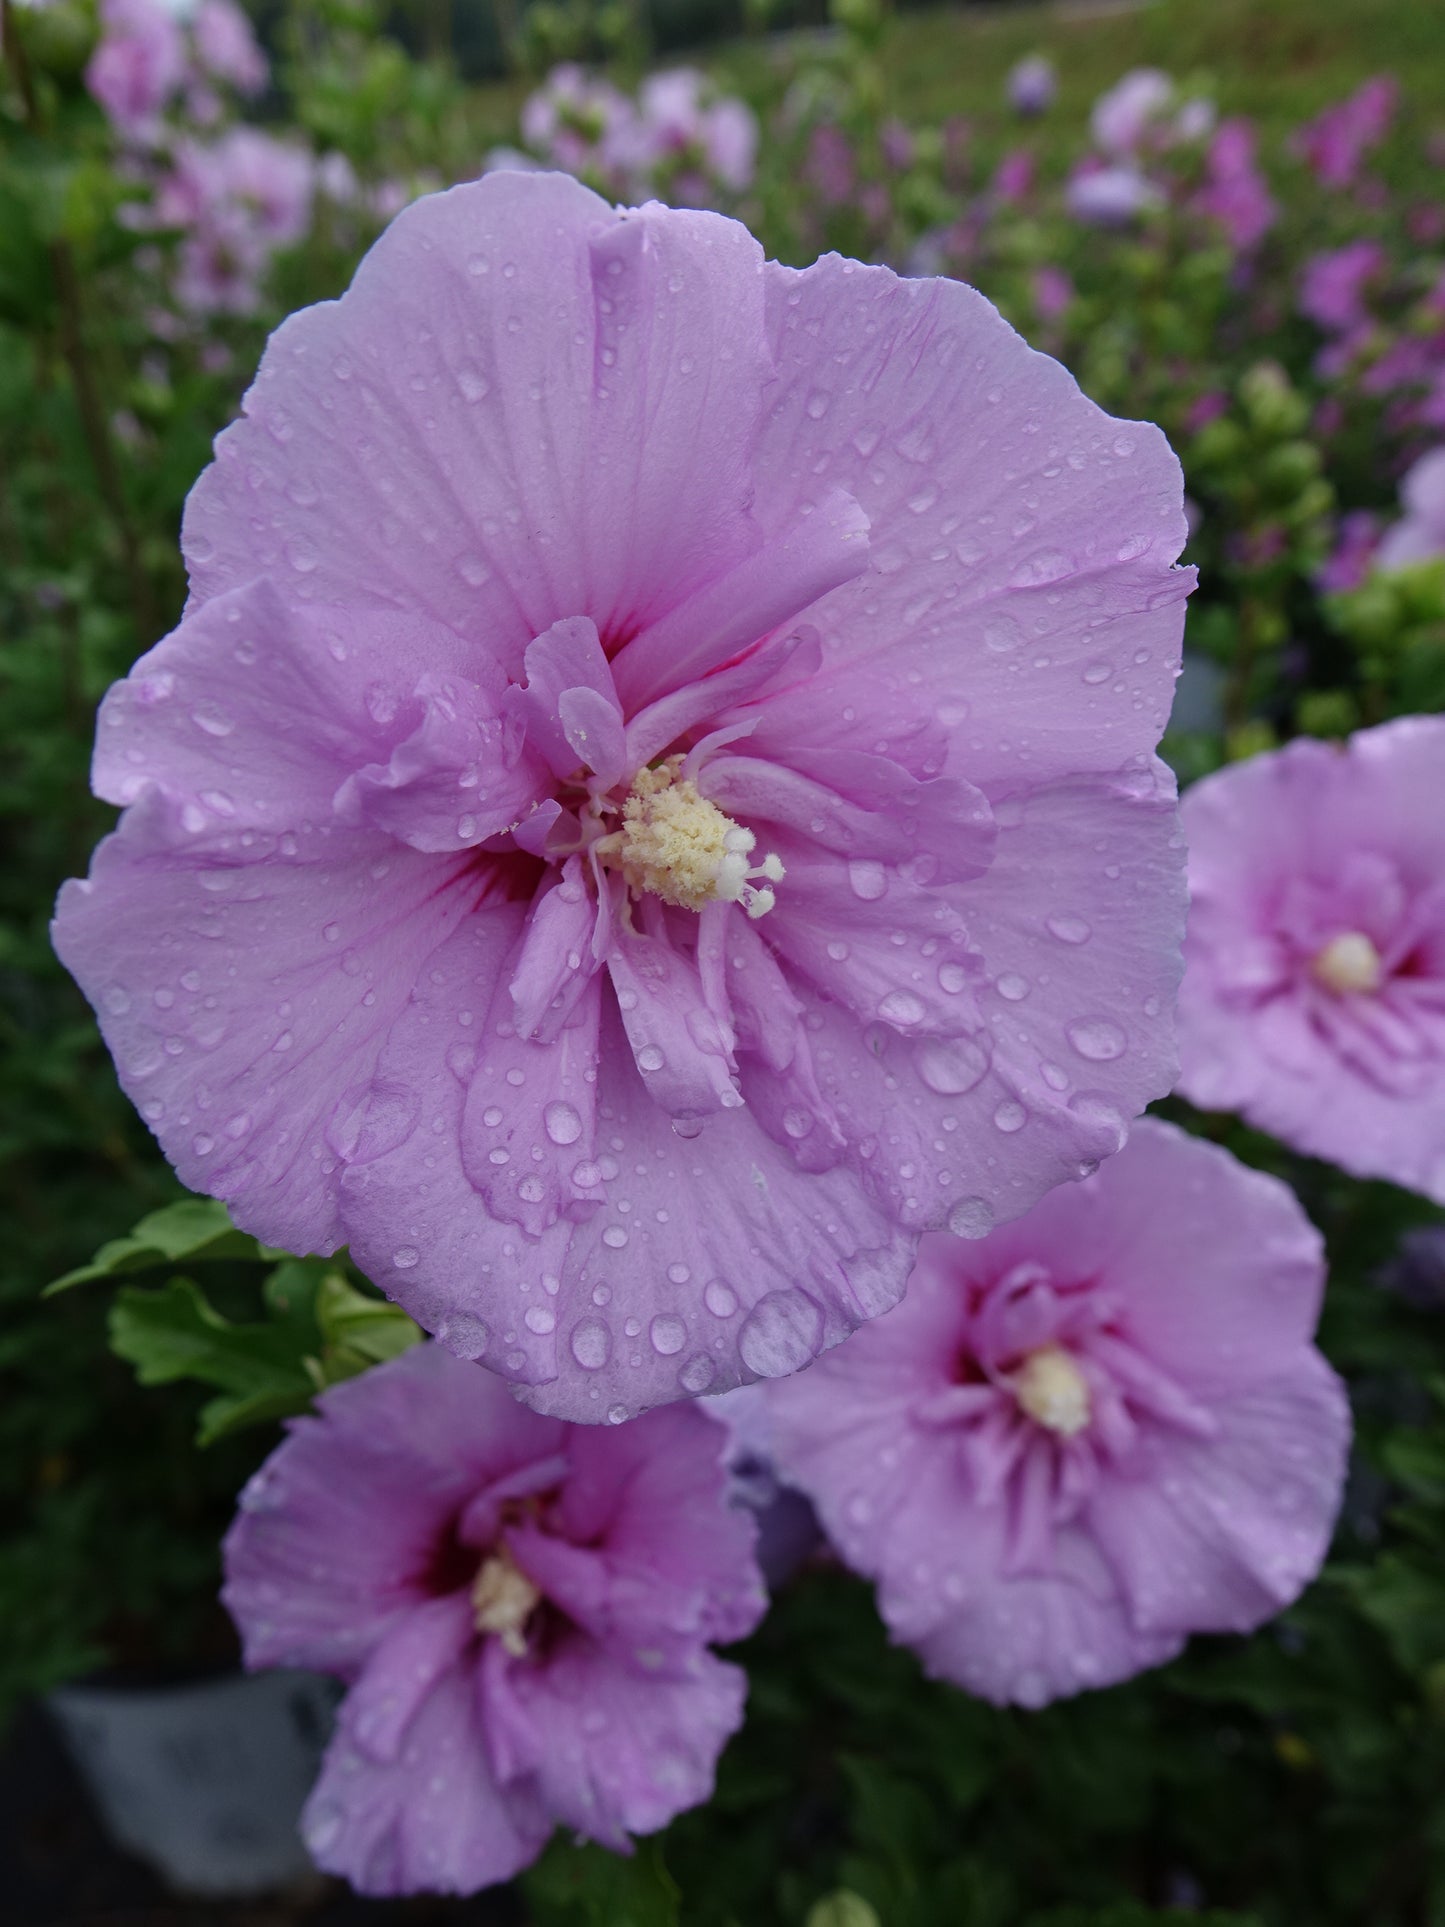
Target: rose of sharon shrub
[1314,998]
[651,804]
[521,1609]
[1097,1431]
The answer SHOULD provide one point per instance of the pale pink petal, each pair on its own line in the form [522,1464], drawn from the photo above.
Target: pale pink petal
[366,471]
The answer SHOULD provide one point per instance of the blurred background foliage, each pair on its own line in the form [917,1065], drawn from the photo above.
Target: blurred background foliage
[1295,1777]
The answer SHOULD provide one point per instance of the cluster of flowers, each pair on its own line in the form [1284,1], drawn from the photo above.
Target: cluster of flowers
[234,193]
[1380,311]
[649,831]
[677,139]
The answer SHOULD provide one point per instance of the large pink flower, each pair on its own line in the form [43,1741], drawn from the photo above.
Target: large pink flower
[652,802]
[1098,1431]
[522,1611]
[1314,998]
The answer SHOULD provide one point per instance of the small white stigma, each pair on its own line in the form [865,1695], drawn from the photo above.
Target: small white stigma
[503,1600]
[1349,965]
[682,848]
[1052,1390]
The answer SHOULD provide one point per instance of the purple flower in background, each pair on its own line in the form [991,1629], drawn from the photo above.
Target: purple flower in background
[678,117]
[897,144]
[521,1610]
[1106,196]
[138,66]
[1014,176]
[579,122]
[1354,552]
[1099,1430]
[1419,535]
[561,857]
[1127,113]
[830,167]
[1336,141]
[1333,284]
[226,47]
[239,198]
[1053,292]
[1314,998]
[1235,193]
[1032,85]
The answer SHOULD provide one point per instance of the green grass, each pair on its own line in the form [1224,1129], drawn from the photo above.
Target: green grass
[1277,60]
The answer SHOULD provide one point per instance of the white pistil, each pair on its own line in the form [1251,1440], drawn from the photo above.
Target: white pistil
[503,1600]
[1349,965]
[1052,1390]
[682,848]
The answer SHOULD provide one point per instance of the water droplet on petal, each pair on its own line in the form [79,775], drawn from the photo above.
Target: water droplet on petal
[562,1123]
[591,1343]
[781,1334]
[1097,1039]
[720,1298]
[668,1334]
[868,878]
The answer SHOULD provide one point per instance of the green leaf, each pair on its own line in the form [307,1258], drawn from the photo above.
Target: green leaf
[358,1330]
[191,1230]
[173,1333]
[586,1886]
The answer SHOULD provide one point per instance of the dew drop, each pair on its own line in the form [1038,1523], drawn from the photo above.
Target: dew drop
[1097,1039]
[405,1257]
[951,1065]
[591,1343]
[562,1123]
[668,1334]
[867,878]
[720,1298]
[1070,929]
[901,1007]
[781,1334]
[1010,1116]
[971,1218]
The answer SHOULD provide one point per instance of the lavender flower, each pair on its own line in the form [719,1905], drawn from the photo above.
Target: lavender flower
[521,1610]
[651,804]
[1314,999]
[138,65]
[1419,535]
[1031,85]
[1098,1431]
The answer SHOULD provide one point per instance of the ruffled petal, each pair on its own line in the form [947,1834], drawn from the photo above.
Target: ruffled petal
[430,1819]
[613,1749]
[1021,566]
[247,1003]
[608,349]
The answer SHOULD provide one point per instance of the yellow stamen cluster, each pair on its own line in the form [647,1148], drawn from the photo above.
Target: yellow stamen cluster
[682,848]
[1349,964]
[1053,1391]
[503,1600]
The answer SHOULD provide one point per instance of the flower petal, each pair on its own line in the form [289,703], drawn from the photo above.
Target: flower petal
[1021,570]
[247,1003]
[596,340]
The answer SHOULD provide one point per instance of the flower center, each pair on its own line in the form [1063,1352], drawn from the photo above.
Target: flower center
[682,848]
[1052,1390]
[503,1600]
[1349,964]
